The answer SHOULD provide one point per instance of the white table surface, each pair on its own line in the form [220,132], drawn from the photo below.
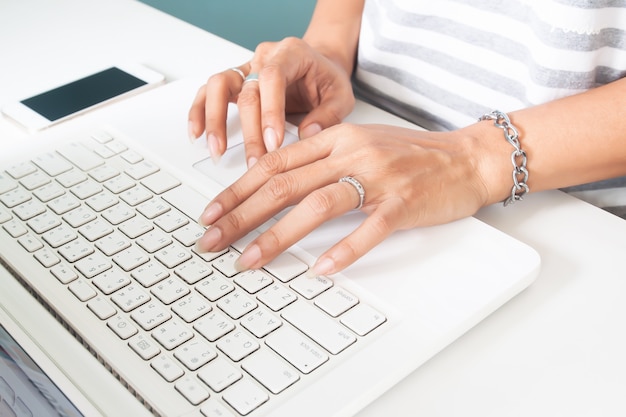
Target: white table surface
[557,349]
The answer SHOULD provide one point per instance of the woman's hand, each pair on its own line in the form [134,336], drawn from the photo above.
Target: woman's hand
[411,178]
[292,78]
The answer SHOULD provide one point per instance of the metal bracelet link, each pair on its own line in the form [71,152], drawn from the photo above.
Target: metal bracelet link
[518,156]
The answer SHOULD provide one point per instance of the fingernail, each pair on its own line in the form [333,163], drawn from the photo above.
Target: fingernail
[208,240]
[190,133]
[251,162]
[323,266]
[270,139]
[310,130]
[210,214]
[214,148]
[248,258]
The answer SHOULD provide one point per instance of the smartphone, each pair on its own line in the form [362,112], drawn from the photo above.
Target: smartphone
[66,101]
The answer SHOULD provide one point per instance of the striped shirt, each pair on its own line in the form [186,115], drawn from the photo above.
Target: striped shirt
[443,63]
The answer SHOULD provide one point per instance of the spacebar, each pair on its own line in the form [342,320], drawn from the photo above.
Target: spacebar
[187,200]
[313,322]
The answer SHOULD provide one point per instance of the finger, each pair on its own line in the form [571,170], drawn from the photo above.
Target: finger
[315,209]
[196,114]
[388,217]
[331,111]
[249,104]
[280,191]
[221,89]
[291,157]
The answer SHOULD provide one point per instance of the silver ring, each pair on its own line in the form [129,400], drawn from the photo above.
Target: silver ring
[253,76]
[240,72]
[359,189]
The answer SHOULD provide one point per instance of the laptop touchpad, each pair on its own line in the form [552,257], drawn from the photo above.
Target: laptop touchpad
[232,165]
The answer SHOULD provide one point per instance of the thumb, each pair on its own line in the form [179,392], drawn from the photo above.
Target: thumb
[329,113]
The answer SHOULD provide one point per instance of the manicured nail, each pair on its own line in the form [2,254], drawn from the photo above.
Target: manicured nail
[248,258]
[323,266]
[270,139]
[190,133]
[251,162]
[310,130]
[214,148]
[208,240]
[210,214]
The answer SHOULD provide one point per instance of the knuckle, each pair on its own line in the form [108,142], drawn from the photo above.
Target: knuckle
[321,202]
[380,224]
[271,164]
[247,98]
[281,187]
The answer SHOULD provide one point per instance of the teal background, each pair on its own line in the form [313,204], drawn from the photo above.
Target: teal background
[245,22]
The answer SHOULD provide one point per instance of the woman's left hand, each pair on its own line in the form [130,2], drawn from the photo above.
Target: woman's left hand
[411,178]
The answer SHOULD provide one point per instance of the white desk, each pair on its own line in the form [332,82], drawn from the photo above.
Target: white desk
[555,350]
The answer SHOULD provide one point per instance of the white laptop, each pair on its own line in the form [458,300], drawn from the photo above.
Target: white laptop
[102,290]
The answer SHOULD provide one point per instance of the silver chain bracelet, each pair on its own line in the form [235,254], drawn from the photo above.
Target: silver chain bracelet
[518,156]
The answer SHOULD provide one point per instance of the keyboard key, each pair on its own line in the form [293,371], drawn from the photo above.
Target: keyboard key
[277,297]
[261,322]
[336,301]
[213,408]
[122,327]
[63,273]
[187,200]
[193,271]
[219,374]
[173,255]
[237,345]
[245,396]
[213,326]
[93,265]
[44,222]
[82,290]
[130,258]
[52,163]
[362,319]
[167,368]
[131,297]
[286,267]
[214,287]
[101,308]
[313,322]
[236,304]
[144,346]
[271,371]
[297,349]
[253,280]
[191,307]
[170,290]
[159,182]
[34,180]
[310,287]
[150,315]
[80,156]
[195,354]
[110,281]
[30,242]
[150,273]
[172,334]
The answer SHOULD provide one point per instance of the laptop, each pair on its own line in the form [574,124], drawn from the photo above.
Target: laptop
[104,298]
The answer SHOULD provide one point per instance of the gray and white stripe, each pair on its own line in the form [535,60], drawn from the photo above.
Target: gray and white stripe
[443,63]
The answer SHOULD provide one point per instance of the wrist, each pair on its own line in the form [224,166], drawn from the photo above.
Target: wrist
[492,160]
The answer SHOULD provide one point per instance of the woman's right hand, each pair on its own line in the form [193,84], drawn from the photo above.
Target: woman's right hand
[292,78]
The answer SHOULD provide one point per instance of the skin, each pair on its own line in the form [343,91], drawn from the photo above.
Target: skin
[412,178]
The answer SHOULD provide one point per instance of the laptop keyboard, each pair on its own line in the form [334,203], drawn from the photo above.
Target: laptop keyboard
[117,232]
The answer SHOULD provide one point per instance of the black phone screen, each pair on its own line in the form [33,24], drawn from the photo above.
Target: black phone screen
[83,93]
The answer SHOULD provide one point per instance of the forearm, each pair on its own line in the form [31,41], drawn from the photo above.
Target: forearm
[570,141]
[334,30]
